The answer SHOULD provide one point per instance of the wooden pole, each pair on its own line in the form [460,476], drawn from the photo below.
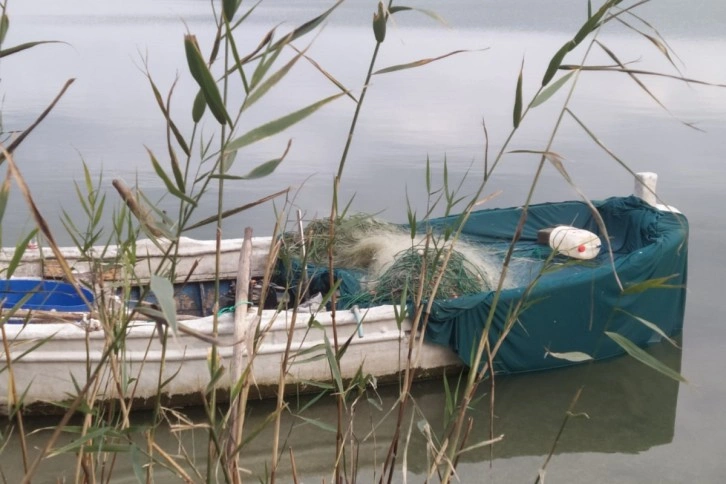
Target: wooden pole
[243,332]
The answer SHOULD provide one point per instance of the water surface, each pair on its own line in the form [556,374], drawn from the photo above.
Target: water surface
[641,428]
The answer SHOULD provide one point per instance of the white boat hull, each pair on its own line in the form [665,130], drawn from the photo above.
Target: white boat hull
[67,353]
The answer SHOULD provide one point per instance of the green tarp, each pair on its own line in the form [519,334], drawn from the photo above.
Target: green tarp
[572,303]
[570,307]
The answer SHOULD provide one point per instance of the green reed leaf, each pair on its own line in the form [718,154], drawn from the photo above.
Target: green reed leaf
[200,72]
[556,61]
[228,160]
[4,26]
[592,23]
[278,125]
[229,8]
[647,359]
[173,189]
[160,102]
[260,171]
[18,254]
[517,114]
[423,62]
[260,90]
[380,19]
[217,375]
[25,46]
[652,326]
[333,365]
[4,196]
[428,174]
[411,221]
[650,284]
[330,355]
[318,424]
[263,66]
[199,106]
[573,356]
[549,91]
[137,463]
[164,292]
[81,441]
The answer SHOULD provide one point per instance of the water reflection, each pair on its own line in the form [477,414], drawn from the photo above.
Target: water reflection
[630,409]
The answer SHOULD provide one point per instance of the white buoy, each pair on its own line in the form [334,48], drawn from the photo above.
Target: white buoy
[574,242]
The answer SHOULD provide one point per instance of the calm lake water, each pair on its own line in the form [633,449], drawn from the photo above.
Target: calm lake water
[641,427]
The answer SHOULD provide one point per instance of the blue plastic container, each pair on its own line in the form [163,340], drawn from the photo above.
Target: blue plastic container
[44,295]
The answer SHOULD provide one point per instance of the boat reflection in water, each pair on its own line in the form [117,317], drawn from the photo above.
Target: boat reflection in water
[630,408]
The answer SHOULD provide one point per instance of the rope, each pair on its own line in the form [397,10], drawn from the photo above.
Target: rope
[230,309]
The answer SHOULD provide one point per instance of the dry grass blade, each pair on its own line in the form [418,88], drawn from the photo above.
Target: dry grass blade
[172,463]
[571,67]
[16,142]
[143,215]
[329,76]
[655,31]
[479,445]
[429,13]
[254,54]
[612,55]
[658,43]
[306,27]
[229,213]
[423,62]
[42,224]
[568,414]
[605,148]
[13,399]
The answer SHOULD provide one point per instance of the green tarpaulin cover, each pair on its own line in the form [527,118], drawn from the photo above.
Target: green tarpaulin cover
[572,303]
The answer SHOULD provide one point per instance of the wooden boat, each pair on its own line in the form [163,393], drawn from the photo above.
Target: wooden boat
[566,308]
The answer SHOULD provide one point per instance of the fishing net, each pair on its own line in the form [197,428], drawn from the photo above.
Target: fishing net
[384,260]
[348,232]
[415,267]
